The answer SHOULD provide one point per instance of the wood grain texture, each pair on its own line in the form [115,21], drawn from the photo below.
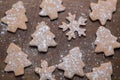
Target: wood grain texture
[53,56]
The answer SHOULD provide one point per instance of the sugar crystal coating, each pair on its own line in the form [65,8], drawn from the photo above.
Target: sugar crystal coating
[74,26]
[16,60]
[72,63]
[105,41]
[45,72]
[43,37]
[15,17]
[103,10]
[103,72]
[51,8]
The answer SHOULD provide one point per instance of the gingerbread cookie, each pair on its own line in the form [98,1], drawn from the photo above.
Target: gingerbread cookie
[72,63]
[103,72]
[105,41]
[16,60]
[51,8]
[43,37]
[103,10]
[74,26]
[15,17]
[45,72]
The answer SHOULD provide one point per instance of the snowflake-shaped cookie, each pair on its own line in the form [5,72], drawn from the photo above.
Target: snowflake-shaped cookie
[74,26]
[103,10]
[51,8]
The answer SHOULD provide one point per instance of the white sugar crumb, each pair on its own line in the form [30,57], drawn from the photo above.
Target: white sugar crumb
[61,56]
[93,45]
[60,73]
[117,67]
[69,45]
[81,6]
[60,60]
[83,14]
[69,8]
[4,29]
[61,78]
[2,32]
[2,71]
[23,77]
[56,65]
[75,12]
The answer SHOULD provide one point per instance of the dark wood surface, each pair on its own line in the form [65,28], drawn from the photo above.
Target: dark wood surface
[53,56]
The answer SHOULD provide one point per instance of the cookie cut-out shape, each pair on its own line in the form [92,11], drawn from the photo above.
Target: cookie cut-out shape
[16,60]
[72,63]
[45,72]
[103,72]
[103,10]
[74,26]
[43,37]
[105,41]
[15,17]
[51,8]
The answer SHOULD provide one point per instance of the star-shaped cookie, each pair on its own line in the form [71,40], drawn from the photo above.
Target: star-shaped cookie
[45,72]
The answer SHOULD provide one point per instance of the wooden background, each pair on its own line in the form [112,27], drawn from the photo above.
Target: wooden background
[53,56]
